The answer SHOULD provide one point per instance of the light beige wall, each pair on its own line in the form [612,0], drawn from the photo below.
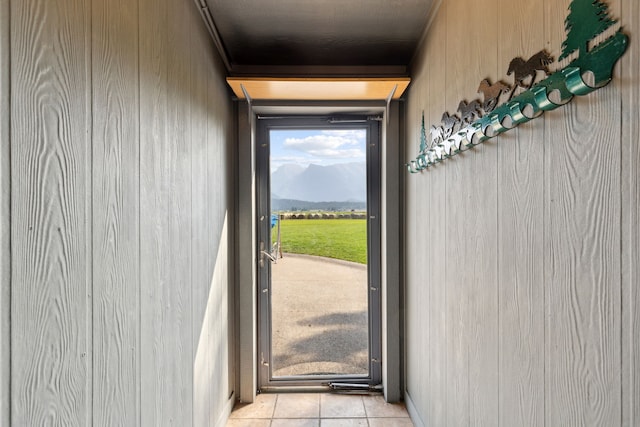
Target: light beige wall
[5,211]
[629,85]
[522,255]
[121,136]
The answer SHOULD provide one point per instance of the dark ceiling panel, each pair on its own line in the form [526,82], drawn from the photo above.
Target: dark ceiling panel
[320,32]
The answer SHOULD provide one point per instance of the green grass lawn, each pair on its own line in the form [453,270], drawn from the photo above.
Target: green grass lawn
[344,239]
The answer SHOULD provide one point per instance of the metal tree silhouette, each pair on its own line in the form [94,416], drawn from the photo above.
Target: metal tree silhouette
[587,19]
[423,137]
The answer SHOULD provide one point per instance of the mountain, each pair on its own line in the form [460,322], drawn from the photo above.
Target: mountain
[285,173]
[334,183]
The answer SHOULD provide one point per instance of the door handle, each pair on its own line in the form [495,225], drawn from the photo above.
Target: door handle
[264,254]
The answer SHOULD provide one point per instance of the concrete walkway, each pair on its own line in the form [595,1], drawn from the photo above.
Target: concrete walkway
[319,313]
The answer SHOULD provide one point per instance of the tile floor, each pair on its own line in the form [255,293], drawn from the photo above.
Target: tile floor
[319,410]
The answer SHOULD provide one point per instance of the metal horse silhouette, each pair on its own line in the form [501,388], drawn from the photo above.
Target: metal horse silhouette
[468,111]
[448,123]
[492,93]
[522,69]
[437,135]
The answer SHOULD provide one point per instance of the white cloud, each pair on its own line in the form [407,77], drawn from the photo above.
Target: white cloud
[334,144]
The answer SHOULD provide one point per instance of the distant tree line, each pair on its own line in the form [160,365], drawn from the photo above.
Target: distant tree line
[303,206]
[324,215]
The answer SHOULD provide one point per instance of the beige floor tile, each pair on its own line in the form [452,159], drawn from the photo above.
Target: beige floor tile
[390,422]
[306,422]
[377,407]
[344,422]
[246,422]
[297,405]
[262,407]
[341,406]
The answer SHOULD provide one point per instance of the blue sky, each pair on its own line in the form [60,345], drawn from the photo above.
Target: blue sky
[320,147]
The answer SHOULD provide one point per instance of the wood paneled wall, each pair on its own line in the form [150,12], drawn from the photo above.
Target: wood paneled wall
[523,255]
[5,212]
[629,84]
[120,143]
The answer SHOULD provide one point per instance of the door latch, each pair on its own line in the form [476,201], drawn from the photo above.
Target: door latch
[264,254]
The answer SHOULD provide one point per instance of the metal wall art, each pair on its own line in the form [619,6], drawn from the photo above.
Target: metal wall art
[479,120]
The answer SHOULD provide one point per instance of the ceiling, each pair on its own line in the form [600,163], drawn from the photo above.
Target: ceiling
[343,34]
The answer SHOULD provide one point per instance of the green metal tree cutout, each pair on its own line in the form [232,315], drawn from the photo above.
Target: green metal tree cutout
[423,137]
[587,19]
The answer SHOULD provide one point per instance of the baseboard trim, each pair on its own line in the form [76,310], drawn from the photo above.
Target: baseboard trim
[413,412]
[226,413]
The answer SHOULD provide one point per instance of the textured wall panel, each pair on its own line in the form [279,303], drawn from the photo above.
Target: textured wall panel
[471,210]
[219,220]
[165,192]
[582,253]
[51,176]
[116,213]
[5,216]
[521,221]
[426,206]
[120,180]
[532,291]
[629,85]
[201,239]
[435,224]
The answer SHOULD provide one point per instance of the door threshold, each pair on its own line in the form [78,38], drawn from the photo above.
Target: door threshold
[351,387]
[332,387]
[323,388]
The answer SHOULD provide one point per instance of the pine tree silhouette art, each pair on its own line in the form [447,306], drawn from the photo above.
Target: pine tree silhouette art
[587,19]
[423,136]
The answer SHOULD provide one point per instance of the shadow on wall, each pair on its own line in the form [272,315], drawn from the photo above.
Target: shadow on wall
[211,324]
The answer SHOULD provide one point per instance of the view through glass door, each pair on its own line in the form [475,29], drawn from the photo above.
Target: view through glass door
[319,265]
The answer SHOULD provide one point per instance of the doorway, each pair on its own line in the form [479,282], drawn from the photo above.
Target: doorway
[319,251]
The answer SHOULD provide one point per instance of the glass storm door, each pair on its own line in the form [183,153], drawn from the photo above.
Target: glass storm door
[319,252]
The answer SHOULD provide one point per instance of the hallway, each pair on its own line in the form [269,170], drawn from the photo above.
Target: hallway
[129,247]
[319,410]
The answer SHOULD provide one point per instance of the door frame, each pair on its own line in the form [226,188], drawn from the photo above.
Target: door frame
[265,124]
[392,172]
